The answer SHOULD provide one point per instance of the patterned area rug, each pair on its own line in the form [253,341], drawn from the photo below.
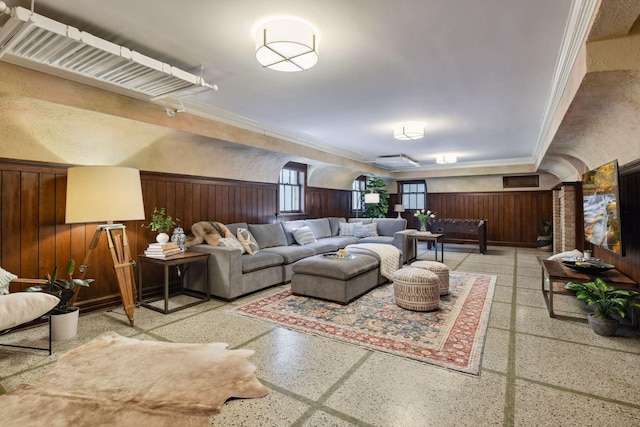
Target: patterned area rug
[451,337]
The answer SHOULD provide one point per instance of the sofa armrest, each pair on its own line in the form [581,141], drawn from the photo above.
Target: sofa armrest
[225,270]
[406,245]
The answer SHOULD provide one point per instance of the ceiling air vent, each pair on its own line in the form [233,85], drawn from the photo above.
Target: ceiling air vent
[34,41]
[399,161]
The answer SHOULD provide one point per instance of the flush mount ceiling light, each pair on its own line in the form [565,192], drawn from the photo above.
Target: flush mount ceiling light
[286,44]
[408,131]
[444,159]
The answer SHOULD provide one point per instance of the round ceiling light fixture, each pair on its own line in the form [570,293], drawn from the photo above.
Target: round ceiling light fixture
[286,44]
[408,131]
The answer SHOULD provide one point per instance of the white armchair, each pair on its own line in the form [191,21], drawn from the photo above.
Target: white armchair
[24,308]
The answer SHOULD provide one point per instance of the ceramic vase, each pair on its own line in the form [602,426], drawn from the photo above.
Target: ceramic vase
[178,237]
[65,325]
[162,238]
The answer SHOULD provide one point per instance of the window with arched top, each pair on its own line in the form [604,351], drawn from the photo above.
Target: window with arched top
[291,185]
[357,192]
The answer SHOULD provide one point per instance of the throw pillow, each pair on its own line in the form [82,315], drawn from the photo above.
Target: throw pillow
[365,230]
[232,242]
[247,240]
[303,235]
[5,279]
[348,228]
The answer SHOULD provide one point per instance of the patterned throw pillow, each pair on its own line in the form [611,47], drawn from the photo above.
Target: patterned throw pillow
[5,279]
[348,228]
[303,235]
[232,242]
[247,240]
[365,230]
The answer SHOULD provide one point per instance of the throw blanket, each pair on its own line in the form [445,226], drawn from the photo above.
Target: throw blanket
[207,231]
[389,256]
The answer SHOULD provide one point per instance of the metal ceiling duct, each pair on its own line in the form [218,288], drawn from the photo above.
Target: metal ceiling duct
[396,162]
[34,41]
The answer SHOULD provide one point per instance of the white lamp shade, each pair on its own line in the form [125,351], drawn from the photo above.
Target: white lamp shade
[286,45]
[103,193]
[408,131]
[372,198]
[398,208]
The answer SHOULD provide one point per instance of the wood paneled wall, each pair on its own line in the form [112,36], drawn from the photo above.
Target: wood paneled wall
[513,218]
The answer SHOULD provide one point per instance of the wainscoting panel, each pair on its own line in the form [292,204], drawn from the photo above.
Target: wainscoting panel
[513,218]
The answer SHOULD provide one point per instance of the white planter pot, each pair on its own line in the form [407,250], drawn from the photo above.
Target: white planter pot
[65,326]
[162,238]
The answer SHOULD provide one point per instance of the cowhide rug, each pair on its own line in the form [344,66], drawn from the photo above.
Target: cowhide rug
[118,381]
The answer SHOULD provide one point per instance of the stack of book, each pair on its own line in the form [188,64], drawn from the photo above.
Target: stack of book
[162,250]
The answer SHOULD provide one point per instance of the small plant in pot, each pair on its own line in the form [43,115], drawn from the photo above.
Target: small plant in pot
[545,236]
[161,222]
[65,317]
[606,300]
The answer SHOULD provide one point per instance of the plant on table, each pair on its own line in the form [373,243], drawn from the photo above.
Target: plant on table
[607,301]
[65,289]
[160,221]
[425,217]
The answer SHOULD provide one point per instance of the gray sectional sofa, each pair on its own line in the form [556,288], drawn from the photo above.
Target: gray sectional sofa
[233,274]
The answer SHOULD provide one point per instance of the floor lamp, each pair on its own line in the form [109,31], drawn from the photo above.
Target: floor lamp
[107,194]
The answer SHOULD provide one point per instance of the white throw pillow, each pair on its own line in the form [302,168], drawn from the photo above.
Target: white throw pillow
[348,228]
[22,307]
[568,254]
[5,279]
[246,239]
[366,230]
[232,242]
[303,235]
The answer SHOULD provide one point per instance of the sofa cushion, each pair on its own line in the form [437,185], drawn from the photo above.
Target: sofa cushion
[377,239]
[288,227]
[361,220]
[293,253]
[348,229]
[261,260]
[232,242]
[247,240]
[340,241]
[389,226]
[365,230]
[320,227]
[303,235]
[22,307]
[323,245]
[334,224]
[233,228]
[268,235]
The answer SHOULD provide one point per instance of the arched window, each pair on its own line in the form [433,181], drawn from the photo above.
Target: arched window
[291,187]
[357,190]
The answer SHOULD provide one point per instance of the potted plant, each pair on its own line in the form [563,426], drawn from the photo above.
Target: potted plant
[545,236]
[161,222]
[607,300]
[380,209]
[64,317]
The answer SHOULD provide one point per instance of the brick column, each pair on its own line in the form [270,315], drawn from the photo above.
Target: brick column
[567,218]
[557,228]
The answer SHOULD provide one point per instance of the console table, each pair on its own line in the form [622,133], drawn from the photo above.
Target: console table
[556,271]
[181,263]
[429,237]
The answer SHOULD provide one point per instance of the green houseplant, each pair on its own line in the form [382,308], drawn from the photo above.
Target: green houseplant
[545,236]
[380,209]
[64,317]
[161,222]
[607,300]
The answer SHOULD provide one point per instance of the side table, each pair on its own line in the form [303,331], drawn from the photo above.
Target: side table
[181,263]
[429,237]
[558,272]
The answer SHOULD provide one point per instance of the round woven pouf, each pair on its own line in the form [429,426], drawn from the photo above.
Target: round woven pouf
[416,289]
[441,270]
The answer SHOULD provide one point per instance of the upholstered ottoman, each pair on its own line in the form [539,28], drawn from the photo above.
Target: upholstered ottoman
[441,270]
[339,280]
[416,289]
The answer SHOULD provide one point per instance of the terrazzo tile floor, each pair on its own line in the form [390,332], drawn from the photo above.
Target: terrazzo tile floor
[536,371]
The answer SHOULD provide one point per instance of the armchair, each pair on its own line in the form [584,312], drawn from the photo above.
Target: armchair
[25,308]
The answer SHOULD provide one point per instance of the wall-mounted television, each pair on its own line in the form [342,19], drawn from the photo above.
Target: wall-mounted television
[601,207]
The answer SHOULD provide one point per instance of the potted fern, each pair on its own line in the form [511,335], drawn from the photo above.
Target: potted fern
[607,300]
